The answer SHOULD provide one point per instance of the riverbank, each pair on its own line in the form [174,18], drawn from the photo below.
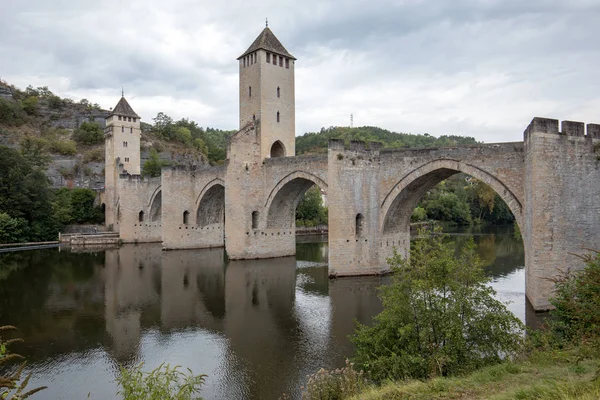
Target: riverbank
[558,374]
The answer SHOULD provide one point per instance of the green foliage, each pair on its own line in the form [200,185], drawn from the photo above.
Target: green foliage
[419,214]
[66,147]
[310,211]
[316,142]
[577,301]
[89,133]
[34,151]
[152,167]
[448,207]
[76,206]
[12,386]
[334,385]
[12,230]
[95,155]
[164,382]
[30,105]
[11,113]
[25,194]
[183,135]
[440,317]
[201,146]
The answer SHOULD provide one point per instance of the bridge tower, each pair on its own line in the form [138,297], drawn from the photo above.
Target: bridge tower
[267,96]
[122,154]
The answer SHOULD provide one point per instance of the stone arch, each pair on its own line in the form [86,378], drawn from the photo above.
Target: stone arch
[277,149]
[156,207]
[285,196]
[211,204]
[399,203]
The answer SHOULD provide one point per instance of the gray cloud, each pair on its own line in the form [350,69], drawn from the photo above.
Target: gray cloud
[475,67]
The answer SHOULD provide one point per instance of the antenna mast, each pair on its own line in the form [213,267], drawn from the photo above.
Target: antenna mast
[351,120]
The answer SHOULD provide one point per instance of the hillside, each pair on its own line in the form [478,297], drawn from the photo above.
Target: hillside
[316,142]
[69,136]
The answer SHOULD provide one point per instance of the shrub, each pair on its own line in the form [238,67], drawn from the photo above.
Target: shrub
[10,112]
[96,155]
[439,317]
[152,167]
[66,147]
[332,385]
[419,214]
[89,133]
[577,302]
[12,230]
[164,382]
[30,105]
[11,386]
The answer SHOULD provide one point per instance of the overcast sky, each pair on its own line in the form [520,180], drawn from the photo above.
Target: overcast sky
[481,68]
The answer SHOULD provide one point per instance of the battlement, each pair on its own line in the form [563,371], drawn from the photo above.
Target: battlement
[567,128]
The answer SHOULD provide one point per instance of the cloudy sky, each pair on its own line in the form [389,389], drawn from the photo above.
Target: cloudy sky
[481,68]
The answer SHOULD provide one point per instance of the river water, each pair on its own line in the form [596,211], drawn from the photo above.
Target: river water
[256,328]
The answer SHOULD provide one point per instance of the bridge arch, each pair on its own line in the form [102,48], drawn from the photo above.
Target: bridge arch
[211,204]
[156,206]
[284,198]
[399,203]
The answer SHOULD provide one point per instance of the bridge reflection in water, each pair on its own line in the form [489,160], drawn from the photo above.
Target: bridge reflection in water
[257,327]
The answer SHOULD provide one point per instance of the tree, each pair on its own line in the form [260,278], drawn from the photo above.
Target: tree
[439,317]
[34,151]
[30,105]
[89,133]
[12,230]
[152,167]
[310,210]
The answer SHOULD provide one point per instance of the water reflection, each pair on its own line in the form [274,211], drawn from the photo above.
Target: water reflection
[257,328]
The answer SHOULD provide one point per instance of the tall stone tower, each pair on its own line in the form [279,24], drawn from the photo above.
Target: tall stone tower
[122,154]
[267,94]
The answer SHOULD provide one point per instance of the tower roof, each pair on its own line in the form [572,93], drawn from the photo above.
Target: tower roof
[123,108]
[269,42]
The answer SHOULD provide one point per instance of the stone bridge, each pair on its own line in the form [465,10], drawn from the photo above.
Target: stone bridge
[550,182]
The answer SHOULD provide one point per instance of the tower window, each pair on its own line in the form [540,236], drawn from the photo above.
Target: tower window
[268,57]
[278,92]
[122,128]
[253,117]
[280,61]
[244,62]
[126,159]
[287,63]
[119,117]
[249,91]
[255,57]
[134,119]
[186,217]
[277,116]
[141,216]
[129,119]
[130,130]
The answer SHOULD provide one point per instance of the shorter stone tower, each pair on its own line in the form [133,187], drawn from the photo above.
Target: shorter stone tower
[122,155]
[267,94]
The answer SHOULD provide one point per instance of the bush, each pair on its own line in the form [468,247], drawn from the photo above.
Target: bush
[439,317]
[10,112]
[419,214]
[577,301]
[11,386]
[333,385]
[164,382]
[89,133]
[30,105]
[152,167]
[66,147]
[12,230]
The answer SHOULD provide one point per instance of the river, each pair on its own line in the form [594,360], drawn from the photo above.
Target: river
[256,328]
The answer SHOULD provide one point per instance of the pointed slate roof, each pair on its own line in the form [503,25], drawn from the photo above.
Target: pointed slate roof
[123,108]
[267,41]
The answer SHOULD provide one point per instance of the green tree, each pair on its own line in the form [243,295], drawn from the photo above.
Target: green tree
[152,167]
[201,146]
[440,317]
[183,135]
[12,230]
[61,206]
[447,206]
[30,105]
[89,133]
[310,211]
[34,151]
[82,206]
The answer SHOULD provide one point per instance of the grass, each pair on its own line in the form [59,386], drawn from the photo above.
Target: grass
[554,375]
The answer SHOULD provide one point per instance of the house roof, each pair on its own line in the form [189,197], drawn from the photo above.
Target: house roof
[123,108]
[269,42]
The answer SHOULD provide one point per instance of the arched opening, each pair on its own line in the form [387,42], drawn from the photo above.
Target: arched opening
[141,216]
[465,202]
[186,215]
[254,219]
[211,209]
[278,92]
[156,208]
[278,116]
[359,225]
[285,203]
[249,91]
[277,150]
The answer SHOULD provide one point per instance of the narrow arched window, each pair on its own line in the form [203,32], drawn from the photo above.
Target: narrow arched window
[359,225]
[277,116]
[278,92]
[268,57]
[186,217]
[141,216]
[254,219]
[253,117]
[130,130]
[122,129]
[249,91]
